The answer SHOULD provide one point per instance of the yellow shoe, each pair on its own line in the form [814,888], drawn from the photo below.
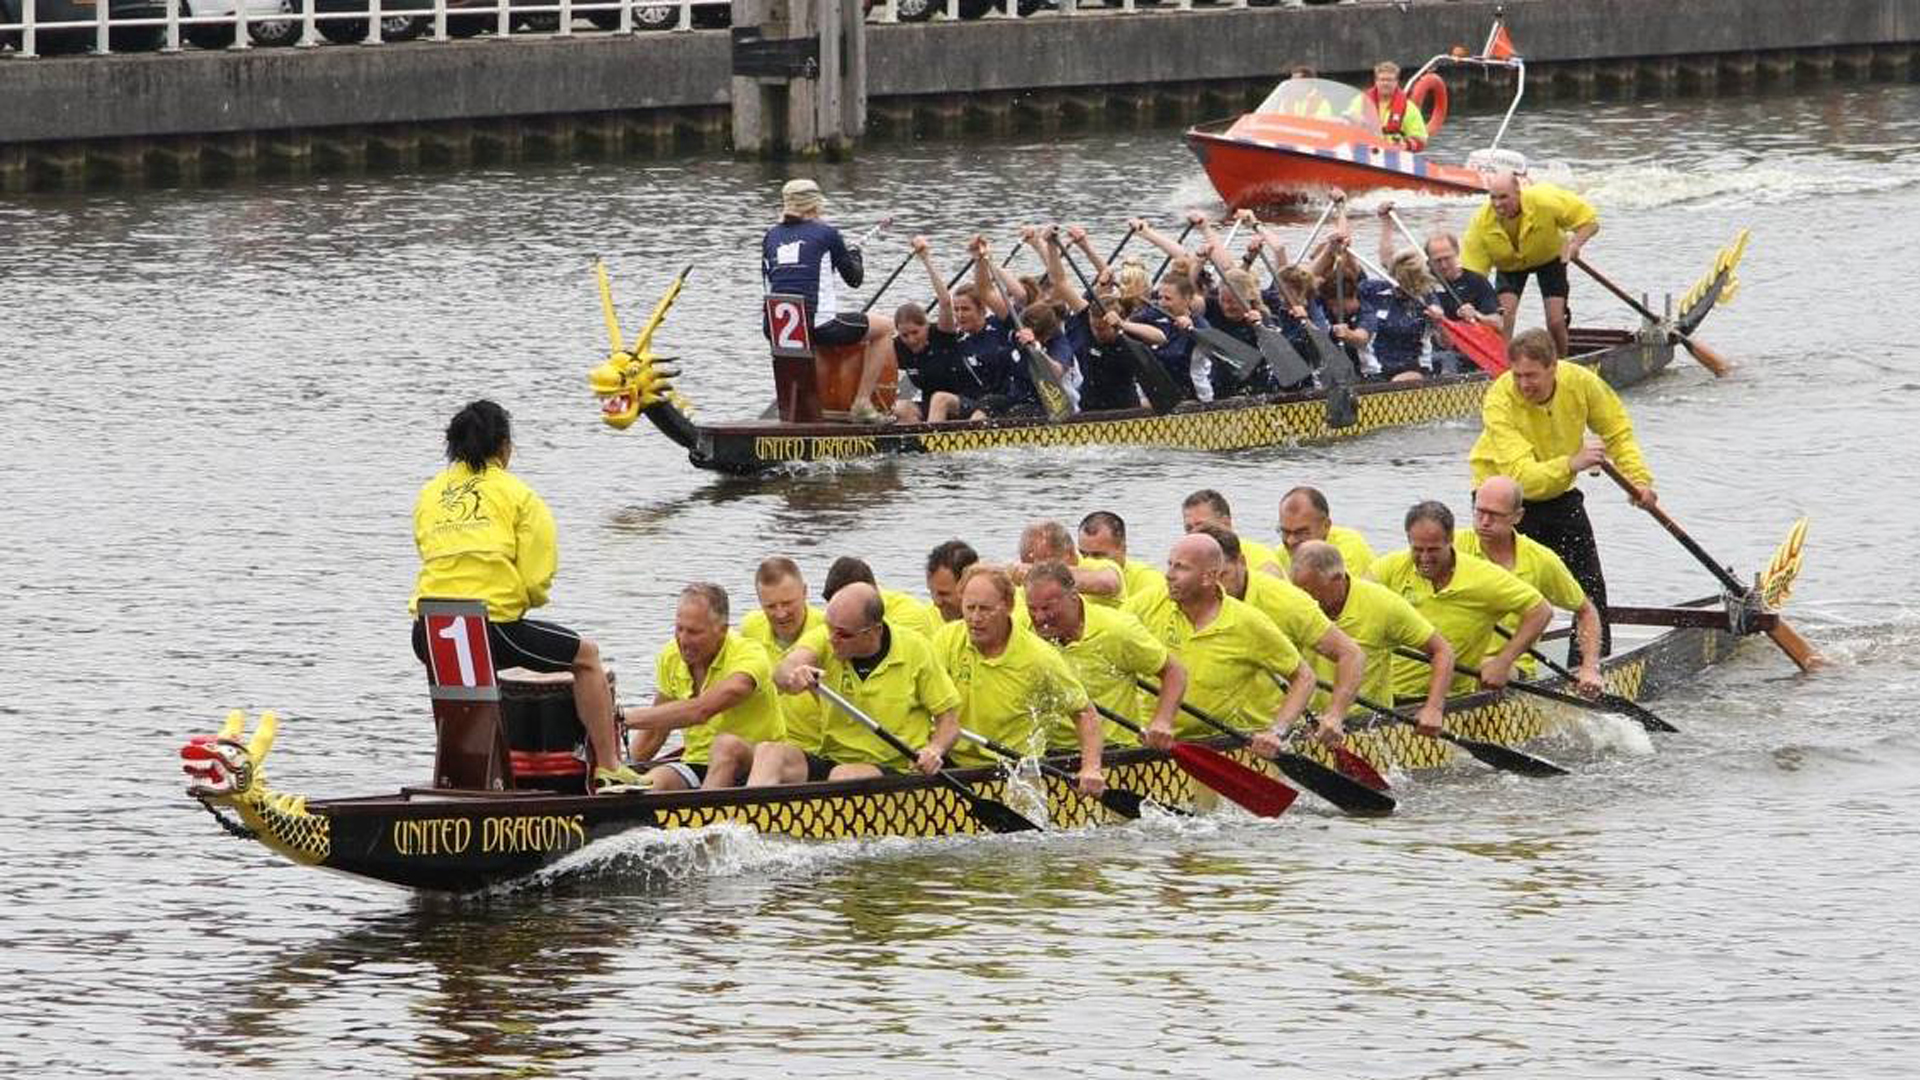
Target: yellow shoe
[606,781]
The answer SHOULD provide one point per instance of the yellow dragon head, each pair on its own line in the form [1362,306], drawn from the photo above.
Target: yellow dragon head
[226,771]
[633,380]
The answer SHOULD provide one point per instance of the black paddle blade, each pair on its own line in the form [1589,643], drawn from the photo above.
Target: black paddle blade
[1505,758]
[1152,376]
[1349,795]
[1647,717]
[1124,803]
[1285,361]
[996,816]
[1342,410]
[1229,350]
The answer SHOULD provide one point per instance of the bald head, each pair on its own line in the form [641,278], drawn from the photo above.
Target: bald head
[856,606]
[1198,550]
[1303,516]
[1498,493]
[1046,541]
[1503,191]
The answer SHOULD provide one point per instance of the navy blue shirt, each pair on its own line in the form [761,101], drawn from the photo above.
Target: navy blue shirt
[807,257]
[1106,371]
[1476,291]
[988,357]
[1399,327]
[938,366]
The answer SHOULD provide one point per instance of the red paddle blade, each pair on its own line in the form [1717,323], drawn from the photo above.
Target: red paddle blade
[1481,344]
[1261,795]
[1355,767]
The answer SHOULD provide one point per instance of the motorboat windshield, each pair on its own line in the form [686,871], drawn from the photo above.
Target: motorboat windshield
[1322,99]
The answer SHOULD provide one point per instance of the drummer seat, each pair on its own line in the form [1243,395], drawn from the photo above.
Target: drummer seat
[814,382]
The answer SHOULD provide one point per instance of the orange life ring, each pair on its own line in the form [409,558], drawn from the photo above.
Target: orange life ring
[1429,92]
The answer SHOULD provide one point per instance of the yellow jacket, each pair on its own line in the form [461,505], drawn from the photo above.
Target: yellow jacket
[483,536]
[1532,443]
[1547,214]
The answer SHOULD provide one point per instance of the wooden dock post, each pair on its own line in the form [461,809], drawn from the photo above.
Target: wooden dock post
[799,77]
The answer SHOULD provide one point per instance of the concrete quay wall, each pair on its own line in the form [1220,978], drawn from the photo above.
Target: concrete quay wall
[71,121]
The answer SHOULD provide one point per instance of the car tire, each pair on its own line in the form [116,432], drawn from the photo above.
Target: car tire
[277,32]
[545,22]
[656,16]
[917,10]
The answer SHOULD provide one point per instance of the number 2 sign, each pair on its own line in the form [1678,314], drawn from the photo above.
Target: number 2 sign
[787,325]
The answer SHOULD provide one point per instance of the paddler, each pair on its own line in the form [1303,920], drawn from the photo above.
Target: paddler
[1379,621]
[1400,119]
[1229,648]
[1532,231]
[1542,423]
[902,610]
[1208,505]
[716,688]
[803,256]
[483,534]
[1305,515]
[947,561]
[1107,650]
[1497,509]
[1464,597]
[1103,535]
[784,616]
[1300,619]
[888,672]
[1098,580]
[1014,688]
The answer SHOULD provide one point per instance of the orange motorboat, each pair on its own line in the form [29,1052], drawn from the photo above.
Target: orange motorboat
[1313,137]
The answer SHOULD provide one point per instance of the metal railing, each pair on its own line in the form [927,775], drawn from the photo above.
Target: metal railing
[238,26]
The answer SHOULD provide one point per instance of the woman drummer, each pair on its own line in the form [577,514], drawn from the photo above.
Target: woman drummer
[484,535]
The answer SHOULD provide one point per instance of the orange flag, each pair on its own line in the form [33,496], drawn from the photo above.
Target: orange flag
[1500,46]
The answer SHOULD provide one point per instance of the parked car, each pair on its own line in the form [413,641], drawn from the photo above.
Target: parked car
[80,39]
[271,23]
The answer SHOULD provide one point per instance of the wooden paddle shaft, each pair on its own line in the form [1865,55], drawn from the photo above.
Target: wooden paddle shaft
[1711,362]
[1790,642]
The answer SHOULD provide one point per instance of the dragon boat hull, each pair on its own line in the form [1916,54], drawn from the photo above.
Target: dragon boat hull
[460,841]
[1624,358]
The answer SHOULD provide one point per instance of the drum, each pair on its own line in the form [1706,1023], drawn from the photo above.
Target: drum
[544,736]
[836,371]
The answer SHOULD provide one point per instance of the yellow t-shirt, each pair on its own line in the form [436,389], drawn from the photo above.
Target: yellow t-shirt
[903,610]
[800,711]
[1227,661]
[1290,608]
[1532,443]
[1478,596]
[483,536]
[1025,699]
[1536,564]
[1378,620]
[1353,548]
[1088,562]
[756,718]
[1113,650]
[1143,578]
[1259,557]
[1547,215]
[903,694]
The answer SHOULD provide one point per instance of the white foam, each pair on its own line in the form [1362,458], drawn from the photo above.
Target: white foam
[1611,733]
[1647,186]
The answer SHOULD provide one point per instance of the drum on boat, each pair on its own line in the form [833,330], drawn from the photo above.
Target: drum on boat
[545,739]
[814,382]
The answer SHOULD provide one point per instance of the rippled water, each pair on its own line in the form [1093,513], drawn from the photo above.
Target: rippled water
[219,404]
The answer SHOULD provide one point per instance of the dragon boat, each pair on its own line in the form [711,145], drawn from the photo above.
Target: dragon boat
[506,799]
[814,385]
[1311,137]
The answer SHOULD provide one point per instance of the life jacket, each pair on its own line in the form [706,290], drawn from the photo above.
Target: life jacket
[1393,116]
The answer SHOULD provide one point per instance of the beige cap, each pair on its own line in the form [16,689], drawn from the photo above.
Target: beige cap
[801,196]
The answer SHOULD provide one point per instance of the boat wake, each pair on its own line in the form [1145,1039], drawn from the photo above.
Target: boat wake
[1648,186]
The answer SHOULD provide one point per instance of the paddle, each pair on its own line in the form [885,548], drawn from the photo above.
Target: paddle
[1053,396]
[1148,371]
[1282,358]
[882,290]
[1709,358]
[1614,702]
[996,816]
[1789,640]
[1168,261]
[1125,803]
[1477,342]
[1257,793]
[1348,762]
[1525,688]
[1504,758]
[1307,248]
[1348,794]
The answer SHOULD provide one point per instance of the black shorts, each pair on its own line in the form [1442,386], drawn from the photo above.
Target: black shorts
[818,768]
[527,643]
[1552,275]
[843,329]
